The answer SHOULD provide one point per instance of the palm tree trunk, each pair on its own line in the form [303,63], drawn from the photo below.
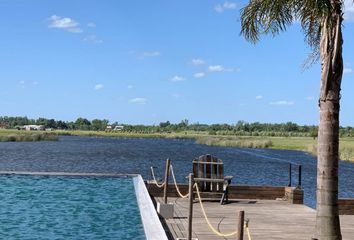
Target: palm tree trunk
[327,217]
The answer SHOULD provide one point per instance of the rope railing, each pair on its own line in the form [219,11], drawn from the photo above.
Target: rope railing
[207,219]
[155,181]
[176,186]
[248,230]
[215,231]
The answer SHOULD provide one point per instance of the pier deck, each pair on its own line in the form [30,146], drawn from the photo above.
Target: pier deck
[269,219]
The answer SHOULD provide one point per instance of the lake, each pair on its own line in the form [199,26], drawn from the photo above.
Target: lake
[136,155]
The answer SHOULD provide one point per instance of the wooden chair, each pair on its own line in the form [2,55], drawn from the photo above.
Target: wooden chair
[209,175]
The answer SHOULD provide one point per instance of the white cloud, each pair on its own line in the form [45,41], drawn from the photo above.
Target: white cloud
[98,87]
[259,97]
[176,95]
[91,25]
[93,39]
[230,5]
[150,54]
[138,100]
[226,6]
[198,61]
[282,102]
[74,30]
[22,84]
[220,68]
[310,98]
[347,70]
[219,8]
[130,86]
[216,68]
[177,79]
[35,83]
[64,23]
[199,75]
[348,10]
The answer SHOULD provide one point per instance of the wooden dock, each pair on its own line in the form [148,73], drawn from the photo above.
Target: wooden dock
[269,219]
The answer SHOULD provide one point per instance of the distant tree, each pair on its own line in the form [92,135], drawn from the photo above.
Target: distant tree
[82,124]
[51,123]
[61,125]
[164,124]
[184,123]
[42,121]
[314,133]
[99,125]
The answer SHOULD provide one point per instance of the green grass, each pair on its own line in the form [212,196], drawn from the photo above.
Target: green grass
[245,142]
[306,144]
[25,136]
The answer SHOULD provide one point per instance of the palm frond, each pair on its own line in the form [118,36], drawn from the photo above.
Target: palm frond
[311,15]
[274,16]
[266,16]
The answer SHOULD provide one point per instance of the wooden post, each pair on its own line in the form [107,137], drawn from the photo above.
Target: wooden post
[241,220]
[300,173]
[167,174]
[289,185]
[190,212]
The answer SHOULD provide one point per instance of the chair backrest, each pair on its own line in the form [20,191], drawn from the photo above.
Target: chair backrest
[209,167]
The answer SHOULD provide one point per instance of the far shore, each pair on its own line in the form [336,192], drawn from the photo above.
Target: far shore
[307,144]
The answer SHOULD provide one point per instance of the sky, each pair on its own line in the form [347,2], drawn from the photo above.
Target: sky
[145,62]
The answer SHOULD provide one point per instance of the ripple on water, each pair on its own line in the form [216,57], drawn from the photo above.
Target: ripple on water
[37,207]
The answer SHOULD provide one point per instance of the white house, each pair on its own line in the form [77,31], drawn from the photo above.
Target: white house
[33,127]
[118,128]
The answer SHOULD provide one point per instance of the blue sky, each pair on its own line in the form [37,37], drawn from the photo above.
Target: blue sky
[153,61]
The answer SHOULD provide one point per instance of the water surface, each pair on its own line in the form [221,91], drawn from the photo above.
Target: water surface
[53,207]
[134,155]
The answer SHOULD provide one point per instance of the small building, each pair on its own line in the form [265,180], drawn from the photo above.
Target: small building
[109,128]
[118,128]
[32,127]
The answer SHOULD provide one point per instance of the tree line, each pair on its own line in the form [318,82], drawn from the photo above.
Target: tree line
[79,124]
[241,128]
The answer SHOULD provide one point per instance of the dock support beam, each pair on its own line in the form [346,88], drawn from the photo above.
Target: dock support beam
[300,173]
[190,212]
[167,174]
[289,185]
[241,222]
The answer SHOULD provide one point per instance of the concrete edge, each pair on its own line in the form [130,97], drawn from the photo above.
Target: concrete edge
[151,222]
[67,174]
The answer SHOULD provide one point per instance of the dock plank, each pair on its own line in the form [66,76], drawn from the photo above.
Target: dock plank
[269,219]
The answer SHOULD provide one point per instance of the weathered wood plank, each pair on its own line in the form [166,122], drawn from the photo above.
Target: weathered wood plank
[269,219]
[346,206]
[242,192]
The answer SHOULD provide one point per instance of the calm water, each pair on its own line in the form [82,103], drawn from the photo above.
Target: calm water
[125,155]
[37,207]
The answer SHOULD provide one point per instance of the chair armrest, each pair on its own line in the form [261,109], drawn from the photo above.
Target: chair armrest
[228,178]
[209,180]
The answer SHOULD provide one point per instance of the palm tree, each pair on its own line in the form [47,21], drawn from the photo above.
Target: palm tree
[321,21]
